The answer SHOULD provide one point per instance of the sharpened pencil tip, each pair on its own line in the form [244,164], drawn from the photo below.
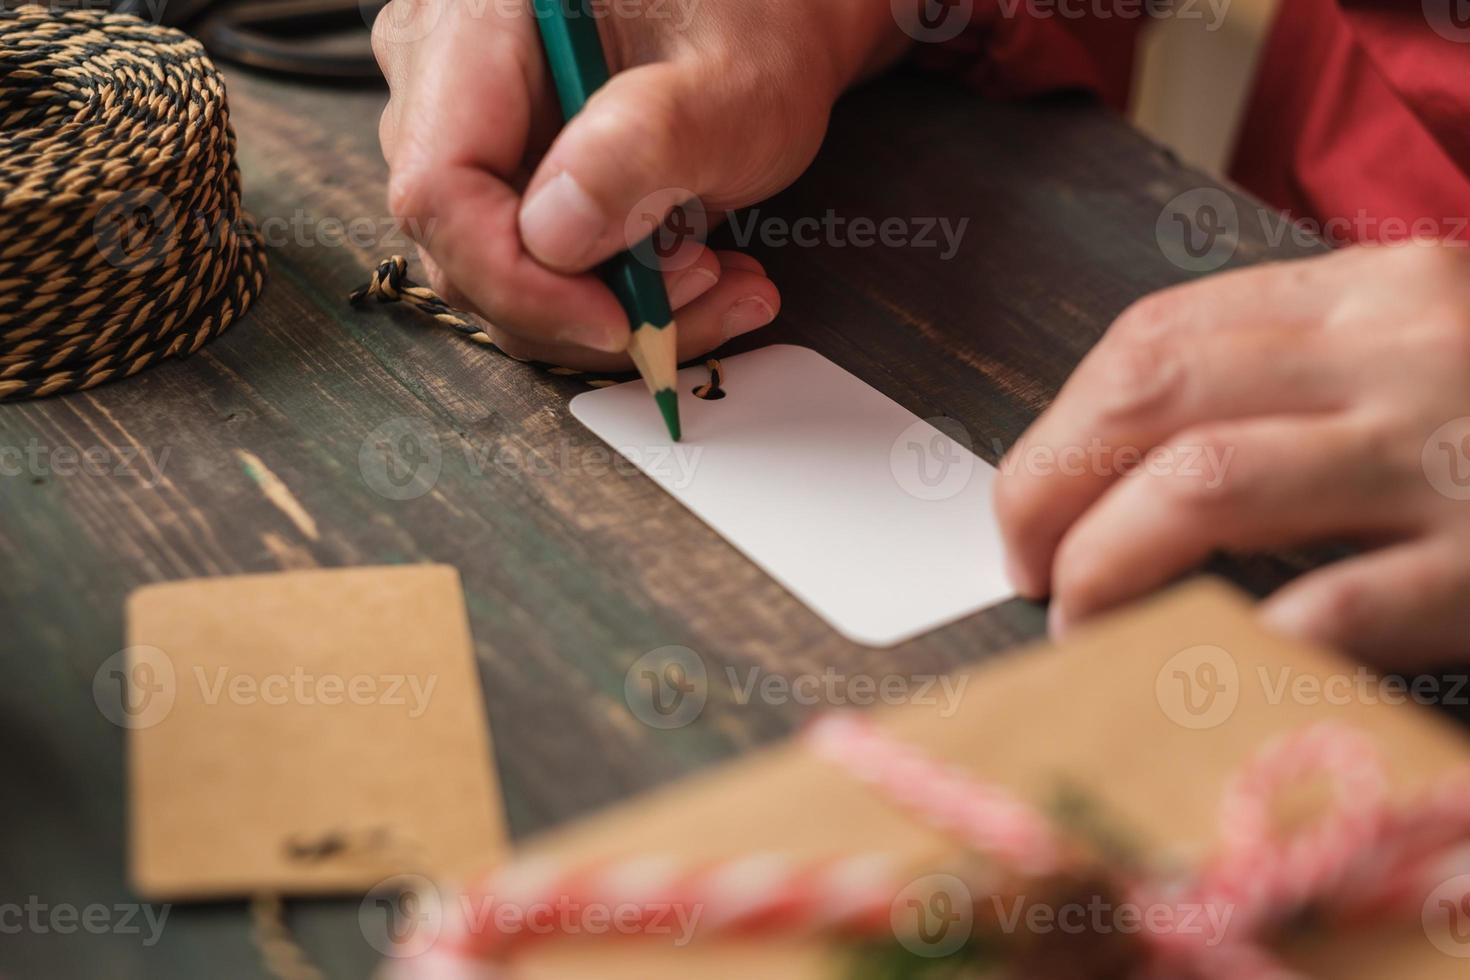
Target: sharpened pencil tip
[668,405]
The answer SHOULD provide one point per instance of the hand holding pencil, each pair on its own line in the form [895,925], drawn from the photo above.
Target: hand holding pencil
[516,215]
[579,69]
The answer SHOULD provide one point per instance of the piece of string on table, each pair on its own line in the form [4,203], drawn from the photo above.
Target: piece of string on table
[391,284]
[280,951]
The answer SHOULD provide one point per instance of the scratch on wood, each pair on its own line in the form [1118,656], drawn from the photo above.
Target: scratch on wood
[277,493]
[289,556]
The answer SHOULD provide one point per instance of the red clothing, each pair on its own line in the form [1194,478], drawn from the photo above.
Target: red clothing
[1360,118]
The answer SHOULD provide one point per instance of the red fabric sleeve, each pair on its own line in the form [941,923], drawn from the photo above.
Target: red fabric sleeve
[1428,69]
[1360,119]
[1017,48]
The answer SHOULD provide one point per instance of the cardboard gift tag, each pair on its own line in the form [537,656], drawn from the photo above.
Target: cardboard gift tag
[877,520]
[305,733]
[1146,716]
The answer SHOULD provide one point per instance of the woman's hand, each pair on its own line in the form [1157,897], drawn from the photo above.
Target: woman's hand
[1305,401]
[725,99]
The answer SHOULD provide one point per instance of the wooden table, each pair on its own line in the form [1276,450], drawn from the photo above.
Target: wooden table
[569,576]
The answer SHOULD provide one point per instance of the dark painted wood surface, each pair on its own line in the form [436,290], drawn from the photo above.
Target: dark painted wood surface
[571,572]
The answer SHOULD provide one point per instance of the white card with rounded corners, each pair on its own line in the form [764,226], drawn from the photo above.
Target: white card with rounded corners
[878,521]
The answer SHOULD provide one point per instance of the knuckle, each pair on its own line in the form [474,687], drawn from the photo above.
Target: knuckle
[1188,483]
[1449,339]
[1019,503]
[388,131]
[1145,319]
[1138,375]
[1080,572]
[1337,606]
[379,35]
[408,194]
[1432,260]
[1012,501]
[399,22]
[644,138]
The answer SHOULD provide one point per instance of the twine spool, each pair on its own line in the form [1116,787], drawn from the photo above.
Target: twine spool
[122,237]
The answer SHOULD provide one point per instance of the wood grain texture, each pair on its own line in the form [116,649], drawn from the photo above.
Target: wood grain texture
[572,569]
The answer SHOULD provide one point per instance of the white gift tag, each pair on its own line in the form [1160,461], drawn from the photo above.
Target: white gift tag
[874,518]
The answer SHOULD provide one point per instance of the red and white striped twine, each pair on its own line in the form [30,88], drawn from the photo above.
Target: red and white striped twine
[1362,858]
[986,818]
[751,895]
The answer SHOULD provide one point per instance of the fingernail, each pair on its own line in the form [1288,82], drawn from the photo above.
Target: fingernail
[594,337]
[749,314]
[1289,616]
[691,284]
[561,224]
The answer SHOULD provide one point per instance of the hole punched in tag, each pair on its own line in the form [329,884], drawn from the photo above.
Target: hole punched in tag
[365,844]
[712,392]
[282,955]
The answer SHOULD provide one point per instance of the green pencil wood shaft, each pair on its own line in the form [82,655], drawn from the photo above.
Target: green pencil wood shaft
[578,69]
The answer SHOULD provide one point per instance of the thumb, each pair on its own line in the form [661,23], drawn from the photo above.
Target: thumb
[643,145]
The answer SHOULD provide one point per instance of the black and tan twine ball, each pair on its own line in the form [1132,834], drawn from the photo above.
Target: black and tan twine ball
[122,237]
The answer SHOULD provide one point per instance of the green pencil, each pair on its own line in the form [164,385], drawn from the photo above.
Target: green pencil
[578,67]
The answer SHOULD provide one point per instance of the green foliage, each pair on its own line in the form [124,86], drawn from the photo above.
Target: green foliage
[892,960]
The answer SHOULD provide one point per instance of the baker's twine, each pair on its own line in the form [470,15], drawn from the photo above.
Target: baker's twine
[122,237]
[391,283]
